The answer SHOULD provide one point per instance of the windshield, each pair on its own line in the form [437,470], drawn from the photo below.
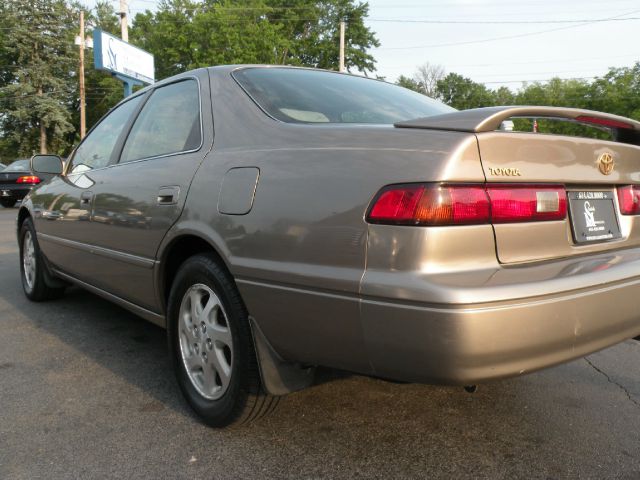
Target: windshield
[313,96]
[19,166]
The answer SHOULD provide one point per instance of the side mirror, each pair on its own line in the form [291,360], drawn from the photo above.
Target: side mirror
[46,164]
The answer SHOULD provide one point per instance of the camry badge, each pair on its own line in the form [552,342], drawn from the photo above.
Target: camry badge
[606,163]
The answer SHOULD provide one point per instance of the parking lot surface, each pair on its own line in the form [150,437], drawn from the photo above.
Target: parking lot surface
[86,391]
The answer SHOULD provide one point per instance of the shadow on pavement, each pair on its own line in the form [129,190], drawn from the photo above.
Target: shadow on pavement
[358,421]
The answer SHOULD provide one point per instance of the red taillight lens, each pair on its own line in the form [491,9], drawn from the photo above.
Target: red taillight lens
[423,204]
[430,205]
[30,179]
[397,204]
[510,204]
[629,199]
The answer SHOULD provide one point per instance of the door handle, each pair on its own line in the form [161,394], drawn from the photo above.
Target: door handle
[85,198]
[168,195]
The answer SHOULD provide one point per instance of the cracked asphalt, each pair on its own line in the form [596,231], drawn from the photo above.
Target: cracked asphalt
[86,391]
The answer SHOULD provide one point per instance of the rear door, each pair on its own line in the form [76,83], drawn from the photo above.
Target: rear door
[140,197]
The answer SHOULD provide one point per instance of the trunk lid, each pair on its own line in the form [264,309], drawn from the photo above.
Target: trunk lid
[591,171]
[11,177]
[15,170]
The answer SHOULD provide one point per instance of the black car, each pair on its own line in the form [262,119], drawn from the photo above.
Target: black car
[16,181]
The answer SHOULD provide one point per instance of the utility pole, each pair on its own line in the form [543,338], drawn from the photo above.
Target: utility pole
[341,68]
[123,20]
[83,115]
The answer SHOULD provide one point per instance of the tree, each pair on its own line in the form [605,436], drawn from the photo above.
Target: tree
[503,96]
[313,28]
[37,88]
[462,93]
[102,90]
[409,83]
[618,91]
[427,77]
[186,34]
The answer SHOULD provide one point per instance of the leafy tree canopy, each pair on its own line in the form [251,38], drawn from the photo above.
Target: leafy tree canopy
[186,34]
[37,86]
[618,92]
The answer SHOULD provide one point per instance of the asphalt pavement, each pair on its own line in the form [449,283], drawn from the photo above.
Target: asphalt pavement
[86,391]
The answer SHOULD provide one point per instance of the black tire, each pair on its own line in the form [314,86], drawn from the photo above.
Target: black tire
[37,289]
[8,202]
[244,399]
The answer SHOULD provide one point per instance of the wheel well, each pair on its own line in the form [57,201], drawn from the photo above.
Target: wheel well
[177,253]
[23,214]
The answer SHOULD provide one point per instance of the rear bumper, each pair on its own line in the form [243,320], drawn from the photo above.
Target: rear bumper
[12,191]
[470,343]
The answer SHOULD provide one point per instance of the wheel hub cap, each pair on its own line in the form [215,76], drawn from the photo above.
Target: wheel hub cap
[206,345]
[29,259]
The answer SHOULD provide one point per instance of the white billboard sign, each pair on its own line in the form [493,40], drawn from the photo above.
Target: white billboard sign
[121,58]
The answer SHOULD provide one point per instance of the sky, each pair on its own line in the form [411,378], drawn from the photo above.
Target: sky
[506,53]
[499,42]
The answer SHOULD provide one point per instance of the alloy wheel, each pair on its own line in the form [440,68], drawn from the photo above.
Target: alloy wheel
[206,344]
[29,259]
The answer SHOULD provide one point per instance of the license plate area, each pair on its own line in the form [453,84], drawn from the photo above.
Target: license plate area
[593,216]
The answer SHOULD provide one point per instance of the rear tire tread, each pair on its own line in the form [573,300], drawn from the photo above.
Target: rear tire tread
[256,402]
[41,291]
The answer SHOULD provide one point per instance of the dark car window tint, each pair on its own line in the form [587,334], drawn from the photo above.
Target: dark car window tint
[96,149]
[169,123]
[19,166]
[311,96]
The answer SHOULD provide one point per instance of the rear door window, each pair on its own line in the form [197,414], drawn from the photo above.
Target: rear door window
[169,123]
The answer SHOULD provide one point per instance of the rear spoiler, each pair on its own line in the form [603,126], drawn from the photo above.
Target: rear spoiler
[489,119]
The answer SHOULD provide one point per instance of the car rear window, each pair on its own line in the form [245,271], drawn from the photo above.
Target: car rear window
[19,166]
[311,96]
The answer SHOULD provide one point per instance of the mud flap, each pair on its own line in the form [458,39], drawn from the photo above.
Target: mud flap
[278,376]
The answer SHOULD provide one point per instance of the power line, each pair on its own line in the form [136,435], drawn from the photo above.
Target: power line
[506,64]
[502,22]
[537,73]
[431,22]
[416,5]
[537,80]
[508,37]
[565,60]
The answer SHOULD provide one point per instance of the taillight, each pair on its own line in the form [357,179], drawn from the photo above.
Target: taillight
[510,204]
[629,199]
[396,204]
[30,179]
[432,204]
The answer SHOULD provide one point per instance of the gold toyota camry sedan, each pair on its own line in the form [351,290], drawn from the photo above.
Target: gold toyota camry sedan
[276,219]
